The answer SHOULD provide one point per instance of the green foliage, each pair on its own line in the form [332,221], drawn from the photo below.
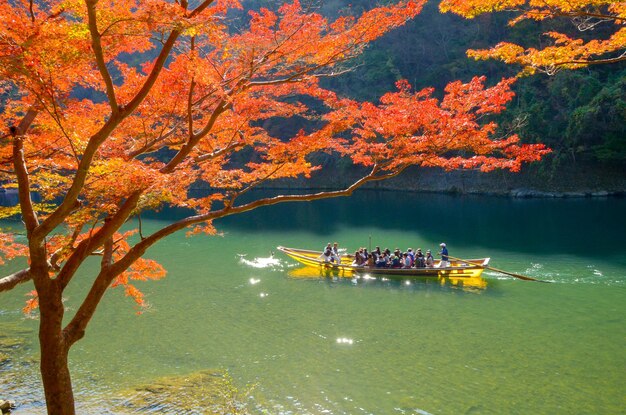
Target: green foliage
[580,114]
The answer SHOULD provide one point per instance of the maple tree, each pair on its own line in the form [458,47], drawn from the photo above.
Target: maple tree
[193,110]
[565,52]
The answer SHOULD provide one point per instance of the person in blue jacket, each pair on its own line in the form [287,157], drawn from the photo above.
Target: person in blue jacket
[445,262]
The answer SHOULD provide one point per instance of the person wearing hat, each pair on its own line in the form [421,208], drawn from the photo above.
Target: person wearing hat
[327,254]
[430,261]
[420,261]
[444,256]
[411,254]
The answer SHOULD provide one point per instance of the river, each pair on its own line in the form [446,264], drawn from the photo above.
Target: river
[312,345]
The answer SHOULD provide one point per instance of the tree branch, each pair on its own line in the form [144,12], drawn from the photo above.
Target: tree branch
[154,74]
[620,58]
[99,55]
[59,215]
[87,246]
[140,248]
[200,7]
[194,139]
[10,281]
[21,171]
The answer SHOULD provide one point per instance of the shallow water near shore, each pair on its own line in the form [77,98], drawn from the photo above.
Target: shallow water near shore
[312,345]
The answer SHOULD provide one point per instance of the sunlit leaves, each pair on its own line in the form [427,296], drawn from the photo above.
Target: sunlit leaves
[141,270]
[123,127]
[9,248]
[413,128]
[32,302]
[564,52]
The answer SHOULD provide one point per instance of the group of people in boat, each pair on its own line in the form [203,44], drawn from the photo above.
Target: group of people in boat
[386,259]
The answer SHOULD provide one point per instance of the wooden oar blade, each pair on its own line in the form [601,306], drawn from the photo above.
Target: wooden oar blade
[521,277]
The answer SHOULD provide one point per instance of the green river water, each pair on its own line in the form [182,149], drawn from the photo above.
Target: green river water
[354,346]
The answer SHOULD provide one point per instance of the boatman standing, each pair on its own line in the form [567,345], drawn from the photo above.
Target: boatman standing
[444,256]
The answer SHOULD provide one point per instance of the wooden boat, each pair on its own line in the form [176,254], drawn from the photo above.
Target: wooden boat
[457,269]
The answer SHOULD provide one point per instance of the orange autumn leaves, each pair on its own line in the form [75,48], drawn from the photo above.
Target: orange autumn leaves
[415,128]
[205,111]
[564,52]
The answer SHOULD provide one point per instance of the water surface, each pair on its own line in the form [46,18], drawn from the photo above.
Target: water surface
[347,346]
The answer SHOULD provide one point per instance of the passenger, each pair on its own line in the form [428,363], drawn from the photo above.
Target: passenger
[327,255]
[395,261]
[411,255]
[358,259]
[444,256]
[370,260]
[335,250]
[397,252]
[430,261]
[420,261]
[406,260]
[377,253]
[381,261]
[364,254]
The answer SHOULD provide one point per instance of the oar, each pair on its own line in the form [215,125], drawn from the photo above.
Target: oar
[521,277]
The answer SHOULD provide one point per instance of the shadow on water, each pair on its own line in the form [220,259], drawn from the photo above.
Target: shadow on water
[591,227]
[583,226]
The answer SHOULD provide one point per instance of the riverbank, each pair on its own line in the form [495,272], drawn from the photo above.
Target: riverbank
[533,181]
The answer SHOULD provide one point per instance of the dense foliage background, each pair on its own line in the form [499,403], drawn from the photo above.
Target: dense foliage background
[580,114]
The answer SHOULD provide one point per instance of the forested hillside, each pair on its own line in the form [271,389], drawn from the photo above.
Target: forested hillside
[580,114]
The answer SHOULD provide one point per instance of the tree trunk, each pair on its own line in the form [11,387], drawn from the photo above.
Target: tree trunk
[55,373]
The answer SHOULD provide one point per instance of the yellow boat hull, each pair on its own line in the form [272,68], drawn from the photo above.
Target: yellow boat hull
[456,270]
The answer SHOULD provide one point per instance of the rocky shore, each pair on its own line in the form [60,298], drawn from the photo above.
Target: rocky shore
[532,182]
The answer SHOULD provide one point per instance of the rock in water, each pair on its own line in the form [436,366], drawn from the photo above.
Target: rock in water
[6,406]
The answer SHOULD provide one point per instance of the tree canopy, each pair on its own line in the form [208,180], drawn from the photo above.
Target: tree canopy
[564,51]
[178,94]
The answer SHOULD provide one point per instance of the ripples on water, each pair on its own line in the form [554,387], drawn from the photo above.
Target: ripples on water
[314,344]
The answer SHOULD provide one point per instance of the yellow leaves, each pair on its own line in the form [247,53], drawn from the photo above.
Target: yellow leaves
[79,31]
[474,8]
[191,31]
[8,212]
[565,52]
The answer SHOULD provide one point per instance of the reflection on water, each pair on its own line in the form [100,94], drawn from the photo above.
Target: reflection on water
[474,284]
[320,272]
[523,225]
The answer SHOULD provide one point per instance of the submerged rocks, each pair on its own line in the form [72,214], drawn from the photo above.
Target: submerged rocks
[206,392]
[7,345]
[6,406]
